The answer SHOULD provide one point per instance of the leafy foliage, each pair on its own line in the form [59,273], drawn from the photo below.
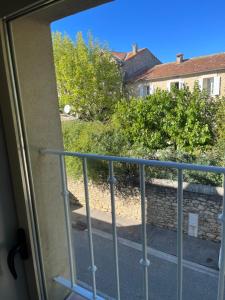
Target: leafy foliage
[80,136]
[182,119]
[202,157]
[96,137]
[88,78]
[181,125]
[220,126]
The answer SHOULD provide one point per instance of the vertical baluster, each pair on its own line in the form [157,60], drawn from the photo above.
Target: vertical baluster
[68,220]
[180,234]
[220,295]
[144,261]
[92,268]
[112,181]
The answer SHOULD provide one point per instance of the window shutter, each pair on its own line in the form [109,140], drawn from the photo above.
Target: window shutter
[145,90]
[200,83]
[168,86]
[152,89]
[141,90]
[216,88]
[181,84]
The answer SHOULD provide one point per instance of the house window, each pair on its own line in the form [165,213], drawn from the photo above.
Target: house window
[175,84]
[211,85]
[208,85]
[145,90]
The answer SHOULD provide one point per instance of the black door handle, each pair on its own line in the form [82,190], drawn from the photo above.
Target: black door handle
[19,248]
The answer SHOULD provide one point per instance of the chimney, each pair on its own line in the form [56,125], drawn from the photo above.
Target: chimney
[180,58]
[135,48]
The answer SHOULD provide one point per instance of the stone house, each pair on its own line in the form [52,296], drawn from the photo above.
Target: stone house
[135,62]
[208,71]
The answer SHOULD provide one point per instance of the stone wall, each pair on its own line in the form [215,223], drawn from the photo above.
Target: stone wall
[142,61]
[161,198]
[127,201]
[162,210]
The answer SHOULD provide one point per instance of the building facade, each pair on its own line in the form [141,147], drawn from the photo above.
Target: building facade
[207,71]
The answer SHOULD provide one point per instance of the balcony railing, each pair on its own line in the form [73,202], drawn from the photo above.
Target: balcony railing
[180,167]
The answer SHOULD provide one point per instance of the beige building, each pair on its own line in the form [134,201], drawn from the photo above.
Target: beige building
[208,71]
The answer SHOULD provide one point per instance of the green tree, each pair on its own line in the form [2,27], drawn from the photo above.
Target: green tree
[180,119]
[220,126]
[88,78]
[141,121]
[64,64]
[191,122]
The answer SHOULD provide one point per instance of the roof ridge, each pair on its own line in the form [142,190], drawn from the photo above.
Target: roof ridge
[186,60]
[191,58]
[132,55]
[194,57]
[208,55]
[162,64]
[127,53]
[125,57]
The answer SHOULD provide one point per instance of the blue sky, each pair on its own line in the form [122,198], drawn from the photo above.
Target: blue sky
[166,27]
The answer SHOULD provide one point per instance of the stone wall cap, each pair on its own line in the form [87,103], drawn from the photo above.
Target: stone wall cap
[190,187]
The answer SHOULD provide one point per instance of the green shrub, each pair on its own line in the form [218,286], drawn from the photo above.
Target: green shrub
[180,125]
[220,128]
[209,157]
[182,119]
[80,136]
[96,137]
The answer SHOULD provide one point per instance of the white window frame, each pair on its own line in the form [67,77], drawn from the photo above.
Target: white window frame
[216,77]
[181,83]
[152,88]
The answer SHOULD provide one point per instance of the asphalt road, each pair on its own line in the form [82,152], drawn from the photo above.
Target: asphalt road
[162,272]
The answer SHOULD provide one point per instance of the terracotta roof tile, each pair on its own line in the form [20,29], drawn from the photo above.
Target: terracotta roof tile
[120,55]
[126,55]
[189,66]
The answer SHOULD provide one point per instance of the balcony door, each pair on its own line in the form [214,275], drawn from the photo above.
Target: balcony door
[10,289]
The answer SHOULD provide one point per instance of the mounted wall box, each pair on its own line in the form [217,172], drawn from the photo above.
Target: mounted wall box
[193,224]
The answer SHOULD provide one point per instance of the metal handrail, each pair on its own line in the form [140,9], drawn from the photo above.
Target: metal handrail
[139,161]
[144,261]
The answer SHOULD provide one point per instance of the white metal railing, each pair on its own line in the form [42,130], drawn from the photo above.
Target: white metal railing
[144,261]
